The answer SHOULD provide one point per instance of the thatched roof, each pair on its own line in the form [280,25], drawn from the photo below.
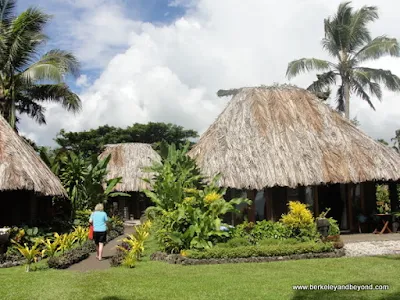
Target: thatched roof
[127,161]
[285,136]
[21,167]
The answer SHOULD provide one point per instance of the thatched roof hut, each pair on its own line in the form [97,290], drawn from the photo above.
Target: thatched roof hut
[21,168]
[127,161]
[285,136]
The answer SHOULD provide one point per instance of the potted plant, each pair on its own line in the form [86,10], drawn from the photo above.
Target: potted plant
[396,223]
[323,224]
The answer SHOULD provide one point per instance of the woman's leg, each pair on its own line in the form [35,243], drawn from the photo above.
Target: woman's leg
[97,250]
[100,252]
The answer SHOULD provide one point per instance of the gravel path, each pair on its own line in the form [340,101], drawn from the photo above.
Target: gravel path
[372,248]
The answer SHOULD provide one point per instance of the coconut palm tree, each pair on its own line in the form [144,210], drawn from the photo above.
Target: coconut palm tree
[28,79]
[348,39]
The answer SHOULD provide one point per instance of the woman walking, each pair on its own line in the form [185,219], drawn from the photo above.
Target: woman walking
[98,219]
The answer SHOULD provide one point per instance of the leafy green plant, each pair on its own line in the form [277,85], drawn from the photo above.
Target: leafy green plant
[334,227]
[254,232]
[187,212]
[51,247]
[81,234]
[300,221]
[66,241]
[82,217]
[29,253]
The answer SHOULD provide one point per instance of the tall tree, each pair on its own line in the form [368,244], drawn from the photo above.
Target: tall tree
[348,39]
[28,79]
[91,141]
[396,141]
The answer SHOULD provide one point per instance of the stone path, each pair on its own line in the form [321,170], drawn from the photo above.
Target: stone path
[91,263]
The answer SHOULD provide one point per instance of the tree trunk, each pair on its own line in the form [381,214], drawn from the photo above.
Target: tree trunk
[12,110]
[347,100]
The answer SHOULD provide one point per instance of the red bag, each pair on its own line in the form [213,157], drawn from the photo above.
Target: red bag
[91,232]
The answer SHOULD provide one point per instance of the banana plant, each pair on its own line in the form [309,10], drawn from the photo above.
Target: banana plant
[30,254]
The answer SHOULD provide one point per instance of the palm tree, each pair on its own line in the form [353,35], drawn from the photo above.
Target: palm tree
[348,39]
[28,79]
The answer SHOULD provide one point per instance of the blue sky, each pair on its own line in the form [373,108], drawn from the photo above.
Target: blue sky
[160,12]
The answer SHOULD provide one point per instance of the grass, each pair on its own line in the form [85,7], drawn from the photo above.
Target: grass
[158,280]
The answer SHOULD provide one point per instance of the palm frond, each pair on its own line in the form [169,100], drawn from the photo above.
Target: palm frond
[358,31]
[323,81]
[7,8]
[386,77]
[364,80]
[59,93]
[54,66]
[21,38]
[306,64]
[31,108]
[378,47]
[360,92]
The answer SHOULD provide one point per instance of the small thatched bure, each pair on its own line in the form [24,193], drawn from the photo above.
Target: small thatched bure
[21,167]
[285,136]
[127,161]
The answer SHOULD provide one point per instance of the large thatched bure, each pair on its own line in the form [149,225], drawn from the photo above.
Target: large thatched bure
[21,168]
[24,180]
[128,161]
[285,136]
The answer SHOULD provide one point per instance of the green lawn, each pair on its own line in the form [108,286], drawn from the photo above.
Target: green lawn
[158,280]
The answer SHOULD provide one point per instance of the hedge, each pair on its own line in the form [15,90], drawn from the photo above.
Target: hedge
[261,250]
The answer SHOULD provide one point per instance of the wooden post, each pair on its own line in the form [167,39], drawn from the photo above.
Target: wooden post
[34,208]
[316,204]
[251,214]
[394,197]
[268,204]
[349,199]
[362,199]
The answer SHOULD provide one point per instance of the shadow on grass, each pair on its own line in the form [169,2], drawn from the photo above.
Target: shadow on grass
[347,294]
[112,298]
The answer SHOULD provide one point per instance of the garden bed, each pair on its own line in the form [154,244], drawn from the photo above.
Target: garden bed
[182,260]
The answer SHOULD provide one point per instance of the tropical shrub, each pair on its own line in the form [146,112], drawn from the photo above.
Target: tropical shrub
[132,247]
[261,250]
[66,241]
[115,223]
[81,234]
[187,213]
[29,253]
[300,221]
[50,248]
[334,227]
[82,217]
[254,232]
[83,180]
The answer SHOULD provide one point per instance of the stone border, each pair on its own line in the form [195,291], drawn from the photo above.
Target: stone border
[9,264]
[181,260]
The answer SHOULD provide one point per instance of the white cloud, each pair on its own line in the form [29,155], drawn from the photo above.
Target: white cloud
[171,72]
[82,81]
